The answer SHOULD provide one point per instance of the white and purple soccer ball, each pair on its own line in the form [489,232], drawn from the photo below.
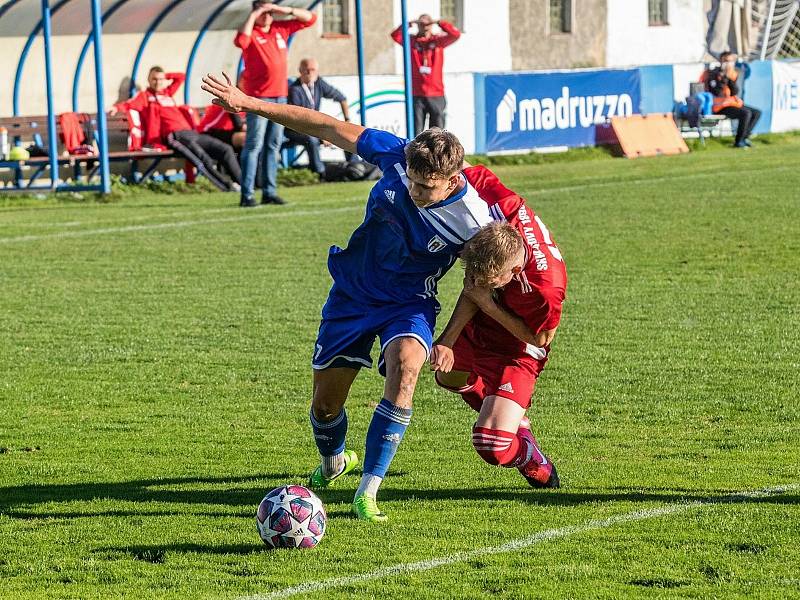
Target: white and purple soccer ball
[291,517]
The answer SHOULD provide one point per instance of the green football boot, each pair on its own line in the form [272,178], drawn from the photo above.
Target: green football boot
[366,509]
[318,481]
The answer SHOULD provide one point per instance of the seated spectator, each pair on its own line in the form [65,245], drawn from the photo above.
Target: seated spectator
[226,127]
[307,91]
[721,82]
[168,124]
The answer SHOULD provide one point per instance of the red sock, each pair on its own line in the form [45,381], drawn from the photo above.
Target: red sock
[472,393]
[499,447]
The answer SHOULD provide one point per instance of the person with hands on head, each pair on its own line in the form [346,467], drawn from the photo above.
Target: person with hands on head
[264,43]
[498,338]
[427,61]
[418,217]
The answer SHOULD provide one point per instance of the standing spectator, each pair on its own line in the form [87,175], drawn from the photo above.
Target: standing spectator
[169,124]
[722,82]
[307,91]
[263,42]
[427,59]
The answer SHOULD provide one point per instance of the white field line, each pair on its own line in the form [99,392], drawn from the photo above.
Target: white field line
[250,216]
[663,179]
[196,212]
[519,544]
[539,192]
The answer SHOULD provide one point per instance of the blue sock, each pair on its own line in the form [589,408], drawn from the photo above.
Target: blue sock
[385,432]
[329,435]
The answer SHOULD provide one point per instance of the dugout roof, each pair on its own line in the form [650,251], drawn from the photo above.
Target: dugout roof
[73,17]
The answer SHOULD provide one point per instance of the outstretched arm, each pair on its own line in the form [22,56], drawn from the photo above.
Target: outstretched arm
[311,122]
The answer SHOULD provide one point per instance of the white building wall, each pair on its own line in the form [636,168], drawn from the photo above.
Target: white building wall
[632,41]
[485,42]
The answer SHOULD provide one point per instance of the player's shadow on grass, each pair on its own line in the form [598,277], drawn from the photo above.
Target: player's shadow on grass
[159,553]
[245,492]
[567,497]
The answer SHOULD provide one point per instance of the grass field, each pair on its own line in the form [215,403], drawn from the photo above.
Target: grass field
[155,384]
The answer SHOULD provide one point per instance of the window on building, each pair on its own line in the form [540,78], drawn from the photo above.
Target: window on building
[335,18]
[657,12]
[453,11]
[560,16]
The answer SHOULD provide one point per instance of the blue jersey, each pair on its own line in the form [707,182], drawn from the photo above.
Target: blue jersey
[400,251]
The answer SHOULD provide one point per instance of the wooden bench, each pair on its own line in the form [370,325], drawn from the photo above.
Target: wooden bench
[118,130]
[27,131]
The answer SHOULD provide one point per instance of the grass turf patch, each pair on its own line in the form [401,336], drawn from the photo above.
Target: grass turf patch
[156,386]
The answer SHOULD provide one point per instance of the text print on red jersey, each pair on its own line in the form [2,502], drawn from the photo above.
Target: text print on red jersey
[530,237]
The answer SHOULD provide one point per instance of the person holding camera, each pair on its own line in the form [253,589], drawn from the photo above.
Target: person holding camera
[721,82]
[264,43]
[427,59]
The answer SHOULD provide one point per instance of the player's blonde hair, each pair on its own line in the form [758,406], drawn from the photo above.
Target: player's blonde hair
[489,250]
[435,153]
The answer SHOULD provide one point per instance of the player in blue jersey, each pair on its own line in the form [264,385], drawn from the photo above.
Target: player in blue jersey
[418,217]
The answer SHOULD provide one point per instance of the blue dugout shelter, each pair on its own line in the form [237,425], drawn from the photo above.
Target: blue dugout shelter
[140,18]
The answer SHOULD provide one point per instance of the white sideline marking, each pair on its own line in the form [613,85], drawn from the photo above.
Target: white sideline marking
[231,209]
[662,179]
[519,544]
[174,224]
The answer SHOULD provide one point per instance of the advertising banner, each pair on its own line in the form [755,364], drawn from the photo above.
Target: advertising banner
[785,96]
[537,110]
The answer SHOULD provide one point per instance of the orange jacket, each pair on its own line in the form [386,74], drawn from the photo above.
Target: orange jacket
[723,87]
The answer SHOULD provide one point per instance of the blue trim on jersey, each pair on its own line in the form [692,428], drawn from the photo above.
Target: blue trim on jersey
[446,226]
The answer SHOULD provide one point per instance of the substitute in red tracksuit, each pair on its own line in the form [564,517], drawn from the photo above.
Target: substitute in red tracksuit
[226,127]
[167,124]
[427,60]
[498,338]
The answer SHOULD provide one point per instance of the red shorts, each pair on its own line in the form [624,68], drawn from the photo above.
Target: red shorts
[508,376]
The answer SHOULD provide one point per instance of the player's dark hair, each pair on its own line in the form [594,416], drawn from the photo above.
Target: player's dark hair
[258,4]
[155,69]
[489,250]
[435,153]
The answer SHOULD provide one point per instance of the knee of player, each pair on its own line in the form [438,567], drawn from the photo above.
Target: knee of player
[325,409]
[406,366]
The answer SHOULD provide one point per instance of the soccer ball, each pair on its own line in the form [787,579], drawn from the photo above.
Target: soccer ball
[291,517]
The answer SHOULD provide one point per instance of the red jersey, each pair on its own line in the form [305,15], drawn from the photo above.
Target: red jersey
[217,118]
[537,293]
[427,59]
[160,112]
[265,73]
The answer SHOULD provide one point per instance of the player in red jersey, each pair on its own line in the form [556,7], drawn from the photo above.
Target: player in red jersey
[492,360]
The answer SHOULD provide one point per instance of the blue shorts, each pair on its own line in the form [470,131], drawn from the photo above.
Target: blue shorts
[349,328]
